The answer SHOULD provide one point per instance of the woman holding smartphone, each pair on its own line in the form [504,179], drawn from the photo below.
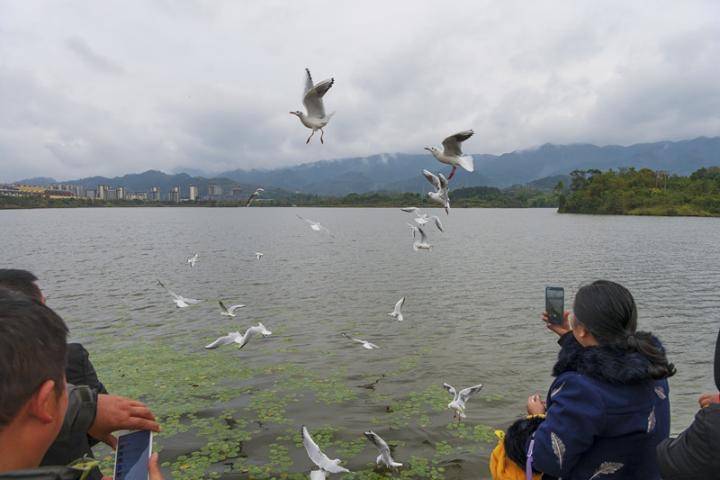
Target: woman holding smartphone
[608,408]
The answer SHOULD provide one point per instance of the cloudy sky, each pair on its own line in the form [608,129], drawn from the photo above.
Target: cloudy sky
[111,87]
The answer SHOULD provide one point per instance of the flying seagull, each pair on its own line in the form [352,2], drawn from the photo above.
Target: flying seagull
[259,255]
[192,260]
[422,219]
[254,195]
[452,154]
[441,194]
[460,398]
[241,340]
[318,457]
[315,226]
[180,301]
[313,101]
[422,243]
[365,343]
[228,311]
[397,311]
[382,446]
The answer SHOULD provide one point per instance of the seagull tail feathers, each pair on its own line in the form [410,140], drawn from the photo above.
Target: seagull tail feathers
[467,163]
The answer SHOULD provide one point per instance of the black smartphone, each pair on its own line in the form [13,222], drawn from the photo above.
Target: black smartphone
[555,304]
[132,455]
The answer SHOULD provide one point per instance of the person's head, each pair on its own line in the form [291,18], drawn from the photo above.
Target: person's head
[33,394]
[604,313]
[21,281]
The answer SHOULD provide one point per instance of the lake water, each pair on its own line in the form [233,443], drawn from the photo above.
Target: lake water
[471,316]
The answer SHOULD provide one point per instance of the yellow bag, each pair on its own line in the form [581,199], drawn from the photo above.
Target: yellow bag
[501,467]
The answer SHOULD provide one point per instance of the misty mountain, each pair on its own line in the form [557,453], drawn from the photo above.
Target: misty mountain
[402,172]
[42,181]
[540,167]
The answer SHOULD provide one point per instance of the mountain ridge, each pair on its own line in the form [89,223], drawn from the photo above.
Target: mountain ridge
[401,172]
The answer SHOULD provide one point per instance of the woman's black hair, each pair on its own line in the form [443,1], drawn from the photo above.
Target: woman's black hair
[517,437]
[608,311]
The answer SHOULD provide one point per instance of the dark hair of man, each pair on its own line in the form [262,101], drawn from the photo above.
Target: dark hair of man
[33,347]
[20,281]
[608,311]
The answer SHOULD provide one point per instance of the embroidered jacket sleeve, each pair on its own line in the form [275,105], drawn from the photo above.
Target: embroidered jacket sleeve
[575,416]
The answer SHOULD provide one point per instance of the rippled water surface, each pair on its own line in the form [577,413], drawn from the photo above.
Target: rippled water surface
[471,316]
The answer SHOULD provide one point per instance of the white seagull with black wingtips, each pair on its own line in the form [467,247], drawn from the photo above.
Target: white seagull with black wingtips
[315,119]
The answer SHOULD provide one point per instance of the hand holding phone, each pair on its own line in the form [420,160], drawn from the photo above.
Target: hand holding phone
[132,457]
[555,304]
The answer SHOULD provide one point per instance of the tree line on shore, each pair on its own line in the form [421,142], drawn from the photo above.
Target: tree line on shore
[630,191]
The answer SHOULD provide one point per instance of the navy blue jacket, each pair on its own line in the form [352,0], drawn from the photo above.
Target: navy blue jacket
[605,416]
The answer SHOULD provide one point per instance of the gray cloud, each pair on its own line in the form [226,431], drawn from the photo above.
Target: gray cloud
[91,58]
[212,82]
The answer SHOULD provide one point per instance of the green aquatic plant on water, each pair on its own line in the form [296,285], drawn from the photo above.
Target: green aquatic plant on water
[195,396]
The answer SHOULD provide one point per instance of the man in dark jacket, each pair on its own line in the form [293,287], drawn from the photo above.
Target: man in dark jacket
[79,371]
[693,454]
[36,406]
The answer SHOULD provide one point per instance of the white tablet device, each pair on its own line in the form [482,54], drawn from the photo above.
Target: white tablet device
[132,455]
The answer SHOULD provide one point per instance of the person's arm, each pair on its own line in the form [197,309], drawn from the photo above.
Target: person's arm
[81,411]
[690,454]
[575,416]
[80,370]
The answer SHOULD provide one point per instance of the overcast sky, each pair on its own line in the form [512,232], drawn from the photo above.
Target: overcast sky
[112,87]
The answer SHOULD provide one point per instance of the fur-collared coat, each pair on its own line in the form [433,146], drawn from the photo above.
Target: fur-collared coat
[605,416]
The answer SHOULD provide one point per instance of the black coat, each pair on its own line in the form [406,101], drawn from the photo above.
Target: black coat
[79,371]
[693,454]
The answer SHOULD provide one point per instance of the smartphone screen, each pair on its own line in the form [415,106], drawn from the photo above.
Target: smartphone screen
[555,304]
[132,455]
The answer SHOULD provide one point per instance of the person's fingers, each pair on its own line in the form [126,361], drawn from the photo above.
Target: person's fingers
[109,440]
[136,423]
[154,468]
[141,412]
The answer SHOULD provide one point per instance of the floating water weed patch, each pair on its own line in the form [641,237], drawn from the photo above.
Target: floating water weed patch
[215,407]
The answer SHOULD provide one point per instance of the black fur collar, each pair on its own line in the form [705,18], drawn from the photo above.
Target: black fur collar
[606,363]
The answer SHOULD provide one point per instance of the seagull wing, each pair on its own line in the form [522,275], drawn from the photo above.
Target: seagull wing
[450,389]
[308,82]
[432,178]
[317,456]
[189,301]
[409,209]
[398,306]
[172,294]
[379,443]
[310,222]
[313,100]
[232,308]
[451,145]
[423,237]
[371,345]
[466,393]
[413,228]
[443,182]
[438,224]
[227,339]
[223,307]
[250,199]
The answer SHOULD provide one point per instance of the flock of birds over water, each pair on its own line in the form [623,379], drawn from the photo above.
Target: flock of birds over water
[451,154]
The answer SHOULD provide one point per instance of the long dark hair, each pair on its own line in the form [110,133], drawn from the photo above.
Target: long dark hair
[608,311]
